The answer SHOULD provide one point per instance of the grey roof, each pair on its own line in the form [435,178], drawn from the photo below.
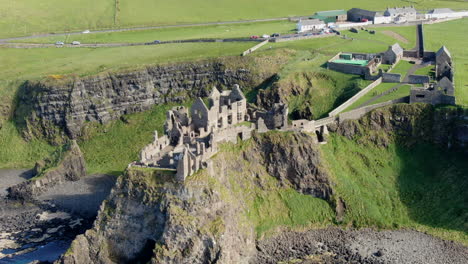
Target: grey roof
[401,10]
[311,22]
[363,12]
[396,48]
[443,49]
[440,11]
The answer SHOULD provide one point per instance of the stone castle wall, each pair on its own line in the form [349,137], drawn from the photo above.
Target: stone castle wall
[391,77]
[418,79]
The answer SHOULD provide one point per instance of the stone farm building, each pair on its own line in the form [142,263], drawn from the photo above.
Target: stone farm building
[442,91]
[310,25]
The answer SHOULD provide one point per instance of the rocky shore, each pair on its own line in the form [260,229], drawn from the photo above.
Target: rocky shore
[55,217]
[334,245]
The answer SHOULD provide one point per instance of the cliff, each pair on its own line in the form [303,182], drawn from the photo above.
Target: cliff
[409,124]
[208,219]
[58,107]
[67,164]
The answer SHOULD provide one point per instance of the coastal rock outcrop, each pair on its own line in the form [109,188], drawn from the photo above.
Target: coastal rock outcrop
[411,123]
[68,165]
[58,107]
[149,217]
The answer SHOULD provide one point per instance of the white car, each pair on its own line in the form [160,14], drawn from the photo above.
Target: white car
[265,36]
[75,43]
[86,32]
[59,43]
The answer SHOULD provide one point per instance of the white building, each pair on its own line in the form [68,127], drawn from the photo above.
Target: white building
[310,24]
[401,14]
[440,13]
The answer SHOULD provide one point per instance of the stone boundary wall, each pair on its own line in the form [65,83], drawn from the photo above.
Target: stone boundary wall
[347,68]
[355,98]
[391,77]
[254,48]
[349,25]
[418,79]
[283,39]
[358,113]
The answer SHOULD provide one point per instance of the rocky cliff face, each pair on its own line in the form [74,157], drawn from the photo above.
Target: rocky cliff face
[53,109]
[71,167]
[410,123]
[149,217]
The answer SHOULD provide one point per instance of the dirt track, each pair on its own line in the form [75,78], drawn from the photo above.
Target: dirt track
[395,36]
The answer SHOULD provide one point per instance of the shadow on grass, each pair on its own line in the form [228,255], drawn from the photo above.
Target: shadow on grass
[433,185]
[349,91]
[252,94]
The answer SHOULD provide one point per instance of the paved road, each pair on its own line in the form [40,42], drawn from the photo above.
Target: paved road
[144,28]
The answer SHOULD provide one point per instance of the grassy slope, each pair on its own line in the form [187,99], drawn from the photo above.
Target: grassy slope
[30,16]
[269,205]
[122,140]
[422,187]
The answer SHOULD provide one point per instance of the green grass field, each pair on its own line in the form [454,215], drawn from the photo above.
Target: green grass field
[402,68]
[29,16]
[421,187]
[374,92]
[244,30]
[123,140]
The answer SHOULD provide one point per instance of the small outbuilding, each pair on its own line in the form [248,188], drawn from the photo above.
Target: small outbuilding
[393,54]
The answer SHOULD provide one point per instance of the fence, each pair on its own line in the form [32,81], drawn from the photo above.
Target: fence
[355,97]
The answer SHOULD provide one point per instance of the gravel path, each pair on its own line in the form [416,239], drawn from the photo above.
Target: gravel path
[334,245]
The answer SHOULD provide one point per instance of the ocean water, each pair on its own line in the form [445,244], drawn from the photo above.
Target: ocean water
[47,252]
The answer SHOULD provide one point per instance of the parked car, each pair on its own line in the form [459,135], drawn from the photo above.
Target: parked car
[75,42]
[265,36]
[86,32]
[59,43]
[157,42]
[274,35]
[254,37]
